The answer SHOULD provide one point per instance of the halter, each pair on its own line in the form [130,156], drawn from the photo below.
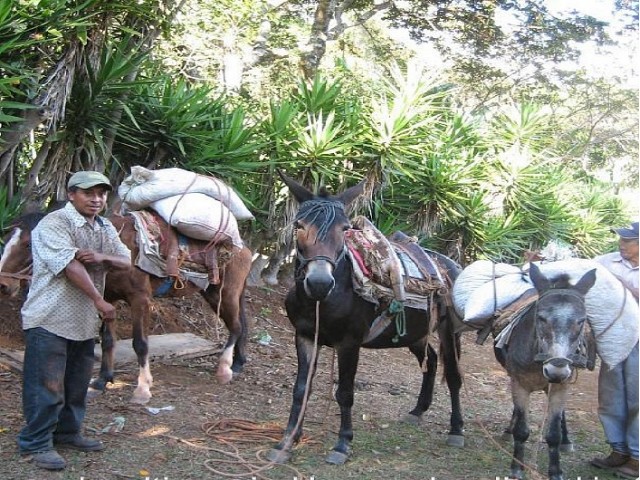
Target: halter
[576,358]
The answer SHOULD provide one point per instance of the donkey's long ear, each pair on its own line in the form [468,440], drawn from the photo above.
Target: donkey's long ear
[350,194]
[586,282]
[539,281]
[300,193]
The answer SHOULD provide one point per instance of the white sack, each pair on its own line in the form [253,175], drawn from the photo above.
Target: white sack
[494,295]
[606,302]
[145,186]
[199,216]
[474,276]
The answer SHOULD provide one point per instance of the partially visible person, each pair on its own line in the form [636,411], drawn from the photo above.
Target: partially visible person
[73,248]
[618,387]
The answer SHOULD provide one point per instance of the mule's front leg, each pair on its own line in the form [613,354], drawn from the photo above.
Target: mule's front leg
[347,365]
[520,428]
[556,399]
[140,315]
[281,453]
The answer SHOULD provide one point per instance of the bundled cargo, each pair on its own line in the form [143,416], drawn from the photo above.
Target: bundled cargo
[199,216]
[143,187]
[478,274]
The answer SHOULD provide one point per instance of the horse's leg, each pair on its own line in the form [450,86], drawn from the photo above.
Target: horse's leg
[140,315]
[348,357]
[229,296]
[428,380]
[556,399]
[450,353]
[107,345]
[520,430]
[281,453]
[507,435]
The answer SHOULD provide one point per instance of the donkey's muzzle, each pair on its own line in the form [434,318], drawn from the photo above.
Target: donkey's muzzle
[318,286]
[557,369]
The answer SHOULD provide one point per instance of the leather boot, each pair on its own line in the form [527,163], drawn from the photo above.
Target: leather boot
[629,469]
[614,460]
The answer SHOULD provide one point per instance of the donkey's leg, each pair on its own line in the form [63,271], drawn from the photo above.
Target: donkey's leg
[520,430]
[450,354]
[566,445]
[107,345]
[429,371]
[557,399]
[281,453]
[348,356]
[140,315]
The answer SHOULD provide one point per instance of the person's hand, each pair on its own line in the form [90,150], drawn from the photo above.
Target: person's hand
[89,257]
[106,310]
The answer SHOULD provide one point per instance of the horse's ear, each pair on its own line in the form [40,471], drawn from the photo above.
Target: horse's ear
[539,281]
[300,193]
[587,281]
[350,194]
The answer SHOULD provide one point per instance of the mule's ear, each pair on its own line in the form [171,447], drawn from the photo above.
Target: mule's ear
[300,193]
[539,281]
[586,282]
[350,194]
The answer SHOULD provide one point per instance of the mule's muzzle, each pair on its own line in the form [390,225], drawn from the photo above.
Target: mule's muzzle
[557,369]
[318,285]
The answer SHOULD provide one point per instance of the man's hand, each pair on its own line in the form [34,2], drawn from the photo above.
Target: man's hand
[106,310]
[89,257]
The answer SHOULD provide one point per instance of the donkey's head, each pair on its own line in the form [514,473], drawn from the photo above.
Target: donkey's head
[320,227]
[560,319]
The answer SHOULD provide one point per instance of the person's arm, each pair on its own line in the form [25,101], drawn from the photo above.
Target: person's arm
[77,274]
[114,262]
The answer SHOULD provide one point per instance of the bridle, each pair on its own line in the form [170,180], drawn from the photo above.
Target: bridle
[576,358]
[322,213]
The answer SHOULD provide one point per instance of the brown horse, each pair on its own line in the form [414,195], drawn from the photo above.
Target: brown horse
[136,287]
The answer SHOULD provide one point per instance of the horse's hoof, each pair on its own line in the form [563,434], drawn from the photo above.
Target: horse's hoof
[411,419]
[141,397]
[224,375]
[92,393]
[566,448]
[278,456]
[516,475]
[455,441]
[506,437]
[336,458]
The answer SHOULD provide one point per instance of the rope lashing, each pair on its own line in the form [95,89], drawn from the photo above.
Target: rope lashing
[396,308]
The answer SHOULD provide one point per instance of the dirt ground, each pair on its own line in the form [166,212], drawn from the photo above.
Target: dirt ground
[197,437]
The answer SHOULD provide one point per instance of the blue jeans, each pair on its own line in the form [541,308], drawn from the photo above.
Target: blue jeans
[56,377]
[618,404]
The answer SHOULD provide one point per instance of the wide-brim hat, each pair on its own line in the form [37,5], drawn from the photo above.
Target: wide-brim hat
[88,179]
[627,232]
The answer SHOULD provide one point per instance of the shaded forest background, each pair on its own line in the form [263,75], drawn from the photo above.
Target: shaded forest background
[483,128]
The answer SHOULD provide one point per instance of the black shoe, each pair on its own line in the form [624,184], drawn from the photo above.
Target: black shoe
[78,442]
[49,460]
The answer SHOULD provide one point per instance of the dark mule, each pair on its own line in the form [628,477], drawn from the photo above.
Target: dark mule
[323,284]
[547,343]
[136,288]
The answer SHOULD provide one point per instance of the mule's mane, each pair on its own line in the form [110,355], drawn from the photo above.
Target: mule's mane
[561,282]
[27,221]
[320,212]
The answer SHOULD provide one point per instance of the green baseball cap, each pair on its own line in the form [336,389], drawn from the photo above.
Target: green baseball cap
[88,179]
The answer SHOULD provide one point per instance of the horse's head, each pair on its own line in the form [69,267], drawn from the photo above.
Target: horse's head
[320,227]
[560,319]
[16,259]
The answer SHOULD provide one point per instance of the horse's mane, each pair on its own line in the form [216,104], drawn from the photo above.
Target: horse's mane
[561,281]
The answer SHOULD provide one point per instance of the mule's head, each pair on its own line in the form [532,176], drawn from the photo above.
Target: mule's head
[320,227]
[560,320]
[16,259]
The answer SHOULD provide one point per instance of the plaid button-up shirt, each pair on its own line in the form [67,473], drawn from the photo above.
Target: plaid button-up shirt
[54,303]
